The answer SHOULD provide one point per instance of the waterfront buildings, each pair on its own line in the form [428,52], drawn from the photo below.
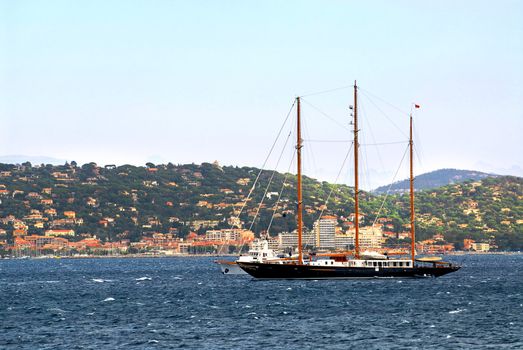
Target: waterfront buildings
[325,232]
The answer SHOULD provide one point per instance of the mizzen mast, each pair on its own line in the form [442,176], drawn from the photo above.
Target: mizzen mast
[356,188]
[299,145]
[412,228]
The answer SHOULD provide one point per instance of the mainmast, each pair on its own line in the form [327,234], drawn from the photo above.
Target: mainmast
[356,188]
[298,151]
[412,229]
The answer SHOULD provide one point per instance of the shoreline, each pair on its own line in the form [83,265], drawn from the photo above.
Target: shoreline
[144,256]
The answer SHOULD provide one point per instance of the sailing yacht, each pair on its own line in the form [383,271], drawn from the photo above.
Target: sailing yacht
[349,265]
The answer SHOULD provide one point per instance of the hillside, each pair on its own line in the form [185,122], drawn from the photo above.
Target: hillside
[132,202]
[434,179]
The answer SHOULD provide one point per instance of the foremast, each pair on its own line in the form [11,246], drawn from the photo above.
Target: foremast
[299,145]
[412,228]
[356,184]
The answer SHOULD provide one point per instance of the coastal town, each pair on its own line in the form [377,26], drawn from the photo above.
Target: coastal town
[326,236]
[169,210]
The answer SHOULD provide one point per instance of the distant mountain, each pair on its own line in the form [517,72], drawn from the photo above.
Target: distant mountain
[435,179]
[19,159]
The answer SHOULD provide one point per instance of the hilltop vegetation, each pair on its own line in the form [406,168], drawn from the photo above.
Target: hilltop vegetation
[435,179]
[131,202]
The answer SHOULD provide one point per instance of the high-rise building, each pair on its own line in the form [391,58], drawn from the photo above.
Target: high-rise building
[325,230]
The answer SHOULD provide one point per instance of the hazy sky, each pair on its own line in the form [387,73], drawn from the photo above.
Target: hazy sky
[192,81]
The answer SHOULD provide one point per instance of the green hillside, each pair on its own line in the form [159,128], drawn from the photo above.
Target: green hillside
[130,202]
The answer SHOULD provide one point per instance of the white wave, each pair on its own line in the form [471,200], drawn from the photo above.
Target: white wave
[100,280]
[109,299]
[145,278]
[57,310]
[457,311]
[289,288]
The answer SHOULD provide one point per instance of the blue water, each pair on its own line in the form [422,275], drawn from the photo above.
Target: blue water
[187,303]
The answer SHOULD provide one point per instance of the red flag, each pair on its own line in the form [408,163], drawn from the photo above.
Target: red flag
[416,106]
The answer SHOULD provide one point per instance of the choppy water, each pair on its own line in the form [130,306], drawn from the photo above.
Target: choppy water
[187,303]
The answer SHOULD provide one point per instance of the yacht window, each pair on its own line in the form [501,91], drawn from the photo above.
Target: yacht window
[408,264]
[332,262]
[394,264]
[401,264]
[379,263]
[375,263]
[264,254]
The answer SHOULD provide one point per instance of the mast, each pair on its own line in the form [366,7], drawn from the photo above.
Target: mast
[300,213]
[412,230]
[356,188]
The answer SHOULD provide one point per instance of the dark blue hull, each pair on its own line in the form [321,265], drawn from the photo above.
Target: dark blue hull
[293,271]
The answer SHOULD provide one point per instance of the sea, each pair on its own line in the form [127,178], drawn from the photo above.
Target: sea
[186,303]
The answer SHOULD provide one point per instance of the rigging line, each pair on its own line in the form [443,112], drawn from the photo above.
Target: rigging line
[384,101]
[365,165]
[336,180]
[327,91]
[361,144]
[385,114]
[417,145]
[325,115]
[309,157]
[384,143]
[281,192]
[366,121]
[270,181]
[390,186]
[265,162]
[335,183]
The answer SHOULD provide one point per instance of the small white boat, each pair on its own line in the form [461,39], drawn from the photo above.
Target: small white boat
[259,252]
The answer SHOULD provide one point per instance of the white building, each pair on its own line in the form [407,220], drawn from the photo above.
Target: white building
[344,242]
[369,237]
[290,239]
[325,230]
[222,235]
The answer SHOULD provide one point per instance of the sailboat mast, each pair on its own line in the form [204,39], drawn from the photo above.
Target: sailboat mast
[298,151]
[356,188]
[412,229]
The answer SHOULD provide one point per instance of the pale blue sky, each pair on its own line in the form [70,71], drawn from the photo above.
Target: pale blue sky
[191,81]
